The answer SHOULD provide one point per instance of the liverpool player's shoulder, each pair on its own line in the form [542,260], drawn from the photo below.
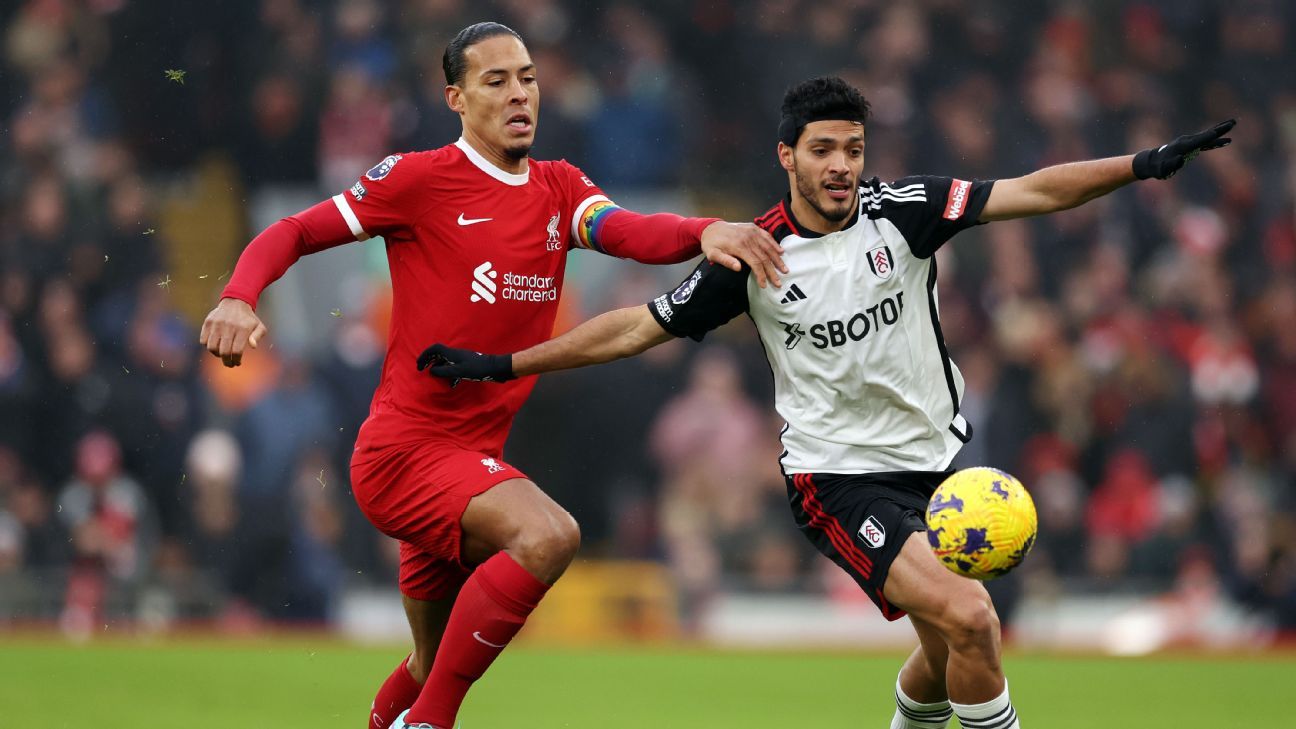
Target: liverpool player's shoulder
[560,170]
[550,166]
[430,169]
[433,160]
[400,167]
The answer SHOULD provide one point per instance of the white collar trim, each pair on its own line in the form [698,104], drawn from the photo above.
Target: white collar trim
[508,178]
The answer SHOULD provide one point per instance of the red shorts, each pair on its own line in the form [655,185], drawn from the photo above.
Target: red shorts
[417,494]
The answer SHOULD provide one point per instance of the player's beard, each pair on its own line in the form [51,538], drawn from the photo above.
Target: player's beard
[810,190]
[517,152]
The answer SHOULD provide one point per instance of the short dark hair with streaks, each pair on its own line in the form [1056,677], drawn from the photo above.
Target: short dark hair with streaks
[826,98]
[453,62]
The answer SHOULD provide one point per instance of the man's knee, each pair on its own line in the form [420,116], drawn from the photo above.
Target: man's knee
[518,517]
[969,621]
[547,545]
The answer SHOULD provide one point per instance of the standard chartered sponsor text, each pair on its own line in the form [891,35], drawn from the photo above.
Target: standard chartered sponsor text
[529,288]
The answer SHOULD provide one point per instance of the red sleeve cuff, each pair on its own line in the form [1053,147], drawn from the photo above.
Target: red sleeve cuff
[695,226]
[235,292]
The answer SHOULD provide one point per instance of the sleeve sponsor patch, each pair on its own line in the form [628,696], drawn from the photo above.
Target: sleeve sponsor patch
[384,168]
[664,310]
[358,191]
[709,297]
[956,200]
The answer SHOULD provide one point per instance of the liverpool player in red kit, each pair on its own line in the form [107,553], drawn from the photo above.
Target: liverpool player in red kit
[477,236]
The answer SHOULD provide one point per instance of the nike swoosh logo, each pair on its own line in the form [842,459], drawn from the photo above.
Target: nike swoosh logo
[479,639]
[471,221]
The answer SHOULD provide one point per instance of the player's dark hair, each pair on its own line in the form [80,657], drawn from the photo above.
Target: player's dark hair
[820,99]
[453,62]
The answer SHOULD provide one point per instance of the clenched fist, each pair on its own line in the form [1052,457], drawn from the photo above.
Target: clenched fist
[229,328]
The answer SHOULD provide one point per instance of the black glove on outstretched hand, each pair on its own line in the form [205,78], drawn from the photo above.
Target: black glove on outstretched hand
[1164,162]
[462,364]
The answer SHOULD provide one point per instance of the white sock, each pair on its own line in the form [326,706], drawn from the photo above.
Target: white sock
[912,715]
[997,713]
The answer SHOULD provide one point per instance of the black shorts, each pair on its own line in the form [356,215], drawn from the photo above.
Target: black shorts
[860,521]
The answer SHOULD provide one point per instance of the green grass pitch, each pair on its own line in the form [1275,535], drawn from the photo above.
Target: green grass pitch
[311,684]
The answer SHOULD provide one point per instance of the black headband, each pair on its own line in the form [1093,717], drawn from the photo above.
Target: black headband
[790,127]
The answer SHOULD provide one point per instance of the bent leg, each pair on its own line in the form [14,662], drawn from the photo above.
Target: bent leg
[430,496]
[427,621]
[518,518]
[523,542]
[921,698]
[871,526]
[922,678]
[863,523]
[961,614]
[960,611]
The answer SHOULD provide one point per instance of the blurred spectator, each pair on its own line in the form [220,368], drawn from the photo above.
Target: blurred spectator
[280,145]
[638,137]
[361,41]
[113,532]
[18,389]
[44,238]
[721,484]
[316,576]
[129,254]
[1125,503]
[37,540]
[277,431]
[355,128]
[276,434]
[213,466]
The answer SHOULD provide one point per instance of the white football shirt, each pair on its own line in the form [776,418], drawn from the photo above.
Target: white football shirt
[861,374]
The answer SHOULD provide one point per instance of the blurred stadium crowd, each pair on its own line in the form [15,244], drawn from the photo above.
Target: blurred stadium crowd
[1133,361]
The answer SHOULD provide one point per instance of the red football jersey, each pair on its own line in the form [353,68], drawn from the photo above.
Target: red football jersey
[477,257]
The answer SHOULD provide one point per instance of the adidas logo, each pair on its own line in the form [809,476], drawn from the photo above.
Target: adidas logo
[793,294]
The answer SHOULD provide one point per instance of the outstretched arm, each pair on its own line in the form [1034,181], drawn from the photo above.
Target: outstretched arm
[1060,187]
[607,337]
[1066,186]
[385,199]
[234,325]
[669,238]
[709,297]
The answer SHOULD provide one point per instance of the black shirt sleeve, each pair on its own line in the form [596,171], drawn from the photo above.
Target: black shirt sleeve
[708,298]
[929,210]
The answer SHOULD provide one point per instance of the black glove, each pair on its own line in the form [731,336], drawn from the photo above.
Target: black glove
[462,364]
[1164,162]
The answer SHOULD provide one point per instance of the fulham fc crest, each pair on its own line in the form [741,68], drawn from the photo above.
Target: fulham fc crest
[872,533]
[880,262]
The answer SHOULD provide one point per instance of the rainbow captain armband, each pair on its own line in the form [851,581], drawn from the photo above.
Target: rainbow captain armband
[591,222]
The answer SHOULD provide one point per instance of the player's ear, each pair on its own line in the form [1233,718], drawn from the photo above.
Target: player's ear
[454,99]
[785,157]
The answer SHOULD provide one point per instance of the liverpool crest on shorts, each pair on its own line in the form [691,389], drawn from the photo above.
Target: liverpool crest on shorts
[880,262]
